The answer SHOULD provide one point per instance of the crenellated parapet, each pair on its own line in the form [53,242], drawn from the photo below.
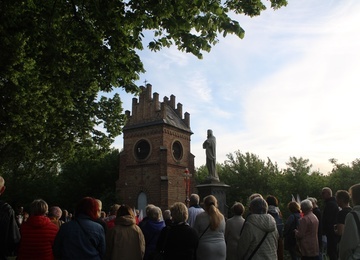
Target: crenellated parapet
[148,108]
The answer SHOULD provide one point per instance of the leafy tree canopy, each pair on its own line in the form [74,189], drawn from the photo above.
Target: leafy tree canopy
[56,56]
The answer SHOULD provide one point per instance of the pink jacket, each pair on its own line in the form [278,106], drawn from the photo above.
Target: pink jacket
[306,235]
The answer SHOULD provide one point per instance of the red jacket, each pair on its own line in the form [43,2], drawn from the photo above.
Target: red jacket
[37,238]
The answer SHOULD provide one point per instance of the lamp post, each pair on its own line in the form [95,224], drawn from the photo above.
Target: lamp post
[187,176]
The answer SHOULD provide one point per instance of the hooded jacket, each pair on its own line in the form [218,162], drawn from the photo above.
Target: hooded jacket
[255,227]
[151,231]
[37,238]
[125,240]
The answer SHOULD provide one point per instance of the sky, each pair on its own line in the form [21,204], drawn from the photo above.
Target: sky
[289,88]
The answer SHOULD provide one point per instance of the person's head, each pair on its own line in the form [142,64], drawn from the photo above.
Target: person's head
[238,209]
[38,208]
[125,210]
[2,185]
[65,213]
[55,212]
[342,198]
[87,206]
[194,199]
[313,201]
[355,194]
[258,206]
[326,193]
[148,208]
[211,208]
[155,213]
[293,207]
[272,200]
[179,212]
[167,214]
[113,209]
[306,206]
[253,196]
[100,207]
[210,201]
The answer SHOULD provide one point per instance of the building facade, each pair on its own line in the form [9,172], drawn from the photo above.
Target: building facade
[156,162]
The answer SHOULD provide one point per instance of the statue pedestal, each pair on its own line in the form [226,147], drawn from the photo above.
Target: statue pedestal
[216,188]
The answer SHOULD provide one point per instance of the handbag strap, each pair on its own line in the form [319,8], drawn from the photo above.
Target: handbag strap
[258,246]
[204,231]
[356,217]
[87,235]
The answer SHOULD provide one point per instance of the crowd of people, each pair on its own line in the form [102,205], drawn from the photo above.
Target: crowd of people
[180,232]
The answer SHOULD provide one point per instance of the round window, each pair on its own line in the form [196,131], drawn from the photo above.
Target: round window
[142,149]
[177,150]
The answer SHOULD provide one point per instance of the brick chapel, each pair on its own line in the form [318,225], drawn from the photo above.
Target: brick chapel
[156,162]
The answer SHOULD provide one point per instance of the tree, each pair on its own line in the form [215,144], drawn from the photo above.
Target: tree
[56,56]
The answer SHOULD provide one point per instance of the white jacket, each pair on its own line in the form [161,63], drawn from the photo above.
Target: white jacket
[255,227]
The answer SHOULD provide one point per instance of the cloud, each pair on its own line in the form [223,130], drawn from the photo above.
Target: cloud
[289,88]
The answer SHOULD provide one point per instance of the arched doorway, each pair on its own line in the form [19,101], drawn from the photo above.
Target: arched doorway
[142,203]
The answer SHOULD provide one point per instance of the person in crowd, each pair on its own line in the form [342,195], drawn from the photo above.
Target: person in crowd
[210,226]
[20,215]
[232,230]
[37,233]
[99,219]
[349,246]
[274,211]
[9,231]
[103,215]
[55,215]
[178,240]
[317,212]
[343,200]
[291,224]
[328,221]
[259,238]
[152,229]
[167,217]
[110,220]
[81,238]
[306,233]
[65,216]
[194,209]
[125,240]
[146,218]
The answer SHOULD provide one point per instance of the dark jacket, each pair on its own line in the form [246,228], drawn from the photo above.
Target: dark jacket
[329,216]
[9,231]
[80,242]
[179,242]
[289,235]
[151,231]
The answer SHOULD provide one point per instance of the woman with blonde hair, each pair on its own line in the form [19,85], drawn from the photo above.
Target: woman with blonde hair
[210,226]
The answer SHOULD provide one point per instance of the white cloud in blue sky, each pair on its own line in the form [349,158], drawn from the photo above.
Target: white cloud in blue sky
[289,88]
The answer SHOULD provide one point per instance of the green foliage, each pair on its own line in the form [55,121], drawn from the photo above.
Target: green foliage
[247,174]
[57,56]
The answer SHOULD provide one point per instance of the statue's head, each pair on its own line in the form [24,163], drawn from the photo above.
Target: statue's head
[209,132]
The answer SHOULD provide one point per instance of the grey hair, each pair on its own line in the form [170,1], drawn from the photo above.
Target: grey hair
[258,206]
[306,205]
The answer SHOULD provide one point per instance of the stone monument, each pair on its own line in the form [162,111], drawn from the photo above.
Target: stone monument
[213,186]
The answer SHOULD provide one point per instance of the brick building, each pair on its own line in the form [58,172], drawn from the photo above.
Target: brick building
[156,153]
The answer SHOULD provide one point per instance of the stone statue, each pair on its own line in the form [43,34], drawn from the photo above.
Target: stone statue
[210,146]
